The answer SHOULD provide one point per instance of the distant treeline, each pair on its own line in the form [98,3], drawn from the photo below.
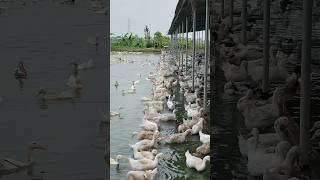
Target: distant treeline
[130,42]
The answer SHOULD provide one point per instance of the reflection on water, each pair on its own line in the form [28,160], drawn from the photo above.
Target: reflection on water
[126,68]
[47,41]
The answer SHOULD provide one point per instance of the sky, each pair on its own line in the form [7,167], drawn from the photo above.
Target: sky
[157,14]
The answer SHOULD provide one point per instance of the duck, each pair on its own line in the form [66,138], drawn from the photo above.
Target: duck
[204,149]
[142,175]
[116,84]
[260,160]
[176,138]
[86,65]
[197,127]
[144,99]
[144,164]
[283,170]
[187,124]
[146,144]
[266,139]
[8,166]
[195,162]
[143,135]
[258,116]
[194,112]
[74,82]
[235,73]
[191,96]
[149,126]
[116,161]
[166,116]
[204,138]
[144,154]
[170,104]
[125,92]
[65,95]
[248,52]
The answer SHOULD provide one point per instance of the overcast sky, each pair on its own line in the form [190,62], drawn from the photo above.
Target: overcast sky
[157,14]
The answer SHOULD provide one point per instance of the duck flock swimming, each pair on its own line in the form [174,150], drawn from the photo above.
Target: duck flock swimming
[269,138]
[161,108]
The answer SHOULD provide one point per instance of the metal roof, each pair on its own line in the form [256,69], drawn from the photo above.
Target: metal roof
[184,11]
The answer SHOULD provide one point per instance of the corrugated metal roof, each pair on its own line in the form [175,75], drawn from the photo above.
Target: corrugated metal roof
[184,11]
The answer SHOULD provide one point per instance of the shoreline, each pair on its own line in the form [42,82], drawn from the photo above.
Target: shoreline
[143,50]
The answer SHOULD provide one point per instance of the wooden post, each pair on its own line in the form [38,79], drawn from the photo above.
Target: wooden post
[266,34]
[305,81]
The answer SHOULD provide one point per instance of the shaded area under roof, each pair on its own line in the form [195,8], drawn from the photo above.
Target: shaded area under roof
[184,11]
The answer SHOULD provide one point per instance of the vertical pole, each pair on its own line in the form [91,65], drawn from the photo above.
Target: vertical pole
[222,9]
[182,47]
[194,45]
[266,34]
[187,32]
[179,55]
[305,80]
[244,21]
[176,32]
[231,13]
[206,57]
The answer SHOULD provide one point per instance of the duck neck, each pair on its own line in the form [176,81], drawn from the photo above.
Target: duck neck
[29,155]
[203,163]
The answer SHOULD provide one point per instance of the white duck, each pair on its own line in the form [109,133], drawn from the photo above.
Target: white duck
[8,166]
[235,73]
[125,92]
[149,126]
[116,161]
[144,164]
[143,135]
[146,144]
[166,116]
[197,127]
[195,162]
[204,138]
[142,175]
[194,112]
[283,170]
[187,124]
[259,160]
[170,104]
[258,116]
[144,99]
[144,154]
[177,138]
[266,139]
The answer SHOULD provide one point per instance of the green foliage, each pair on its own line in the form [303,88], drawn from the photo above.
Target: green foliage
[133,41]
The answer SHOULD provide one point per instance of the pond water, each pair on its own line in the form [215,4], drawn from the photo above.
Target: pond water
[47,36]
